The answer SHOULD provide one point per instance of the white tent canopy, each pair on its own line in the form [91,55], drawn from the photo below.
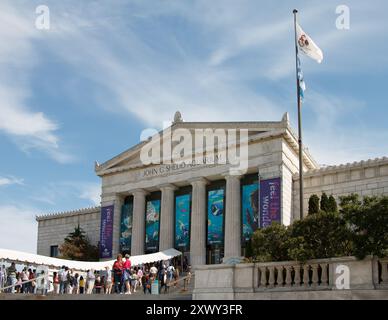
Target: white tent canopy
[30,258]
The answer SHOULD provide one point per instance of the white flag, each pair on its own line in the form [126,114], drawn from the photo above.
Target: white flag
[307,45]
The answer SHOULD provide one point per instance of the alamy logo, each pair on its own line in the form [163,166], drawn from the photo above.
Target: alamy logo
[342,280]
[198,146]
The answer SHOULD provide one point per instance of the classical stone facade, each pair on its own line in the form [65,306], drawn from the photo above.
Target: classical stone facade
[149,192]
[54,228]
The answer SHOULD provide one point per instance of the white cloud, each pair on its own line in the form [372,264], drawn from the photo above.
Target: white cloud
[91,192]
[9,180]
[28,128]
[18,228]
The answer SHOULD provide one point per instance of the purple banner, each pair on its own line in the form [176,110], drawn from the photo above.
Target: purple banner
[106,232]
[269,202]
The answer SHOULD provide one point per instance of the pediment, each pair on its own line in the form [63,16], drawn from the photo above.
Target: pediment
[131,158]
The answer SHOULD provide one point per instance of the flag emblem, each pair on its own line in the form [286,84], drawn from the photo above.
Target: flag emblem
[307,45]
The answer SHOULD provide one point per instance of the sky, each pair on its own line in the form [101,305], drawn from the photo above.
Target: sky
[84,89]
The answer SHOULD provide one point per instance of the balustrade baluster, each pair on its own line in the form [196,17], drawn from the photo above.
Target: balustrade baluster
[314,278]
[306,277]
[288,276]
[271,280]
[384,272]
[324,274]
[297,275]
[280,279]
[263,275]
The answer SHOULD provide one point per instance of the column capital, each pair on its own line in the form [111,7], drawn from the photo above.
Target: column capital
[139,191]
[230,176]
[167,186]
[198,180]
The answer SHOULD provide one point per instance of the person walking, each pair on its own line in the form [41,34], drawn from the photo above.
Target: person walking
[118,272]
[81,285]
[11,276]
[90,279]
[76,284]
[108,280]
[24,277]
[56,282]
[127,274]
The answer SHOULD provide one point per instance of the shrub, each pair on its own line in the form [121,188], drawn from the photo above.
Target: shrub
[368,221]
[325,203]
[313,204]
[332,204]
[270,243]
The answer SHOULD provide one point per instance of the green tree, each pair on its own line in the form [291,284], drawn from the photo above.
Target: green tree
[270,243]
[368,221]
[76,246]
[313,204]
[332,204]
[321,235]
[325,202]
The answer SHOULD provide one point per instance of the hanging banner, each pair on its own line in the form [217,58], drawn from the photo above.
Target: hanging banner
[152,225]
[250,210]
[126,227]
[182,221]
[270,205]
[106,232]
[215,217]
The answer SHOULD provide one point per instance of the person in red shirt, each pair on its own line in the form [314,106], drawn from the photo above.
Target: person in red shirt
[127,273]
[118,272]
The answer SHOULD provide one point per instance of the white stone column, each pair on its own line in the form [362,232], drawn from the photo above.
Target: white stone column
[138,223]
[166,236]
[198,223]
[118,203]
[232,244]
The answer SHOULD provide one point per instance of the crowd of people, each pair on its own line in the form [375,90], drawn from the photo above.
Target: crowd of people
[26,281]
[120,278]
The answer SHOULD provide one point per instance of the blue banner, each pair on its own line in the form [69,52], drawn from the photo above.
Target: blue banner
[182,221]
[126,227]
[215,216]
[106,232]
[250,210]
[270,202]
[152,225]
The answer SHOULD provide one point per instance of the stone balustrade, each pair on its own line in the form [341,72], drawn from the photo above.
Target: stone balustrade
[342,278]
[287,275]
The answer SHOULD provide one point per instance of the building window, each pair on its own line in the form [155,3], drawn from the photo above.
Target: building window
[54,251]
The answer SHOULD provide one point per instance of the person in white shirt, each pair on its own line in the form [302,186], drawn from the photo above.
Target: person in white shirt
[91,278]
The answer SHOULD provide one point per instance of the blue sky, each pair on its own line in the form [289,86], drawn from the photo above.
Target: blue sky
[85,89]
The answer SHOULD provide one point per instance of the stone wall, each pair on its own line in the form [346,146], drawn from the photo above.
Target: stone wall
[365,178]
[53,229]
[335,278]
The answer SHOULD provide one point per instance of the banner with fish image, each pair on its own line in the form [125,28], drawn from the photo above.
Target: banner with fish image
[270,202]
[215,217]
[182,221]
[152,225]
[126,227]
[250,210]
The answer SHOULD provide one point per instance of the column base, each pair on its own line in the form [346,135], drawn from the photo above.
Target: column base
[232,260]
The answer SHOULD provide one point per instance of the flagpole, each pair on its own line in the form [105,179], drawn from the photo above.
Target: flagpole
[299,123]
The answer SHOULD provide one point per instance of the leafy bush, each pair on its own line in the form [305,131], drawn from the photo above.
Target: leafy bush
[360,228]
[368,220]
[325,203]
[313,204]
[270,243]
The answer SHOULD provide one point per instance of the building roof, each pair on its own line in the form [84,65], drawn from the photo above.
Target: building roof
[258,130]
[70,213]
